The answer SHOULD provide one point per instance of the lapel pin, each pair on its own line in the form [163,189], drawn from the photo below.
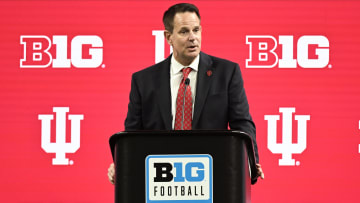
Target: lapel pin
[209,73]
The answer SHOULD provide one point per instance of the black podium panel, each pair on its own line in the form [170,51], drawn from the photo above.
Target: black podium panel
[231,154]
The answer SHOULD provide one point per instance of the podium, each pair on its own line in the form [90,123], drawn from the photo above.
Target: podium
[183,166]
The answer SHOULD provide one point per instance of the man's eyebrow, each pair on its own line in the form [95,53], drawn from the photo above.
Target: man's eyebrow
[184,28]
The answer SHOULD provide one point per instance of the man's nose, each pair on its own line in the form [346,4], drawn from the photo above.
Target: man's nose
[191,36]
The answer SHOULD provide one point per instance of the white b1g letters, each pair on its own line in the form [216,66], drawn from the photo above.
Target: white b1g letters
[262,51]
[36,51]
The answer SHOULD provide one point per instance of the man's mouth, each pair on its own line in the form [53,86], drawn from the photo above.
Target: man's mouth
[192,47]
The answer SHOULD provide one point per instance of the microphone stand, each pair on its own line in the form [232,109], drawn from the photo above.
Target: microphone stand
[187,82]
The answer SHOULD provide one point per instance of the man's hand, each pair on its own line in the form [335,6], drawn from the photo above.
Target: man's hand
[111,173]
[260,171]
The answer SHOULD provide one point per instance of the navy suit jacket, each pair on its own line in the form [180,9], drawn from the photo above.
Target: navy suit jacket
[220,100]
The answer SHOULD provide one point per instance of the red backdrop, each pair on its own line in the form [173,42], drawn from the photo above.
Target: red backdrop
[326,171]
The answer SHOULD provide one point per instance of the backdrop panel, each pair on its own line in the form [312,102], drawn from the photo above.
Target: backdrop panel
[65,78]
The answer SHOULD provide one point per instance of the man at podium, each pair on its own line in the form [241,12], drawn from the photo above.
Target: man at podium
[190,89]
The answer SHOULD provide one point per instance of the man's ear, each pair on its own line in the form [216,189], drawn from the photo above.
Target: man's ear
[167,36]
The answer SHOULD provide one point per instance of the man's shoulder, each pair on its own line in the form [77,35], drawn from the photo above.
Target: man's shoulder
[217,60]
[153,69]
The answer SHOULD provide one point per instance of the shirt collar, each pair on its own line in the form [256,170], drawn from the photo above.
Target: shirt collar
[176,67]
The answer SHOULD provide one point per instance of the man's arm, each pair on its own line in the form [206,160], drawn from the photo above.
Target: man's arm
[133,119]
[239,115]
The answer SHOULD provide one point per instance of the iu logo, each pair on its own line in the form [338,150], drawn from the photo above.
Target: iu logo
[60,147]
[287,147]
[160,45]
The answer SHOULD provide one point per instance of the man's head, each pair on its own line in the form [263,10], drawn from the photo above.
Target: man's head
[183,31]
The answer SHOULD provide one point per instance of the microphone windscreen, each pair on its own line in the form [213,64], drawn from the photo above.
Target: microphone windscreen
[187,81]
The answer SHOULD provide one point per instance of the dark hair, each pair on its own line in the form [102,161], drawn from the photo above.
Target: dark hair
[168,18]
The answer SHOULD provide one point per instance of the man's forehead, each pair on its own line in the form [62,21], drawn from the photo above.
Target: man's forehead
[185,27]
[186,19]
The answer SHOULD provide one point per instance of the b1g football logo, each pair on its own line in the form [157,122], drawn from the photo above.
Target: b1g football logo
[312,51]
[187,178]
[86,51]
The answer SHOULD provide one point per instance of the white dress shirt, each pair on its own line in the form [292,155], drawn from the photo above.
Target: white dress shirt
[176,76]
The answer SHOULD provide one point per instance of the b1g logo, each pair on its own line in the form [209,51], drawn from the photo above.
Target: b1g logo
[312,51]
[171,178]
[36,51]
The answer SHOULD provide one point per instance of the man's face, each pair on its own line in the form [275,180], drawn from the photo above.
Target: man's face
[185,38]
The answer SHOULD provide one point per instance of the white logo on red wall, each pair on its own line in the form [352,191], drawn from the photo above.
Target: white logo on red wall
[310,51]
[287,148]
[86,51]
[60,147]
[160,45]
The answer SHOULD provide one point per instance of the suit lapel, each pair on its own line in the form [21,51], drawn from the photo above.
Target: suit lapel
[164,94]
[203,85]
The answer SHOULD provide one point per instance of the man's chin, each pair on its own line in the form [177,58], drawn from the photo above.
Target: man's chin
[193,54]
[187,58]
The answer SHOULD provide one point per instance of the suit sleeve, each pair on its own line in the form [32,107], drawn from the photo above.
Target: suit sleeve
[239,115]
[133,119]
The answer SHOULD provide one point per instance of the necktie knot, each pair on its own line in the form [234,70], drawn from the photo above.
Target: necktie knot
[186,72]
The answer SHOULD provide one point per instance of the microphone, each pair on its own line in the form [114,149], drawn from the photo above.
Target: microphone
[187,82]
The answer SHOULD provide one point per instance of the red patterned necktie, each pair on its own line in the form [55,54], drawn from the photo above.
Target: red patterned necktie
[183,117]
